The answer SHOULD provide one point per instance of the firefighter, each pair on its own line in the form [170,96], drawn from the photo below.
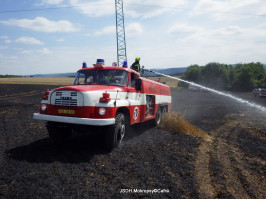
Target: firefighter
[136,66]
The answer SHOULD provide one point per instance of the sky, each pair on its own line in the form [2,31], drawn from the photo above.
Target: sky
[56,36]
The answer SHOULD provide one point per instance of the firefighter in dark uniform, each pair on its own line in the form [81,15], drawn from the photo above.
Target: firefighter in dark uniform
[136,66]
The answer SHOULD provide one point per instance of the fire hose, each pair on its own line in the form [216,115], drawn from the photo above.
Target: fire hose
[259,107]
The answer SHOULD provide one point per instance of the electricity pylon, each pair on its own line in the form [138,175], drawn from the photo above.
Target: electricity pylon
[120,33]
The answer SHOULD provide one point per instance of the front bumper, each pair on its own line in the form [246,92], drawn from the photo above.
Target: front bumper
[74,120]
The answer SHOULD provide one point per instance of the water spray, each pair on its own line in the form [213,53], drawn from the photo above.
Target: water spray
[261,108]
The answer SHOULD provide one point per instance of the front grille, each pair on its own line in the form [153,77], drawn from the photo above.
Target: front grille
[73,94]
[67,98]
[58,93]
[66,102]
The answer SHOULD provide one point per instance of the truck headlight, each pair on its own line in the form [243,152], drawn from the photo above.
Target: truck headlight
[102,111]
[43,107]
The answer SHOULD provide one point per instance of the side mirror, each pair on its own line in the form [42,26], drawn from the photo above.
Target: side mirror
[138,84]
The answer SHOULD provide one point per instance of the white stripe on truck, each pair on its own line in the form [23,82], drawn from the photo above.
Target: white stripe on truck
[74,120]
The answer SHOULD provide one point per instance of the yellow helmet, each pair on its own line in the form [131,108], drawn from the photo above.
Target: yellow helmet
[137,58]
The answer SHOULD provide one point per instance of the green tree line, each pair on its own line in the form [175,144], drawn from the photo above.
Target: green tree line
[8,76]
[241,77]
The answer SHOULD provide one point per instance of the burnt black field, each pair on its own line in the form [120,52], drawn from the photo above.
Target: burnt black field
[229,163]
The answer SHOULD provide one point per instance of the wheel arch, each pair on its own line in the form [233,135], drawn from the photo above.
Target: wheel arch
[126,113]
[162,106]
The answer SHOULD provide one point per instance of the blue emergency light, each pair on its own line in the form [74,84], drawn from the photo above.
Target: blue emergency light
[100,61]
[125,63]
[84,65]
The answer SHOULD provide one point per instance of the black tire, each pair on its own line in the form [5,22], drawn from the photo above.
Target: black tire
[158,117]
[58,133]
[115,133]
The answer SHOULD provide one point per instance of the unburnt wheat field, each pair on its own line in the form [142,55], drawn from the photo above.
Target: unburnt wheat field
[209,146]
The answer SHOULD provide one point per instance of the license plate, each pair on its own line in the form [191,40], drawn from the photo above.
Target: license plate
[65,111]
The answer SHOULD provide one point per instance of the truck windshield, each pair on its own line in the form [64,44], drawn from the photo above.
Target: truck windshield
[101,77]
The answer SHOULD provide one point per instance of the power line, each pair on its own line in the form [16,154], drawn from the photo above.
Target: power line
[131,4]
[182,8]
[51,8]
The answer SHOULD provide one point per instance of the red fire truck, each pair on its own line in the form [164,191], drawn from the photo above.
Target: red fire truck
[110,97]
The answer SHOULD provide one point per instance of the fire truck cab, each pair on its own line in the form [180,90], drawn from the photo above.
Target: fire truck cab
[110,97]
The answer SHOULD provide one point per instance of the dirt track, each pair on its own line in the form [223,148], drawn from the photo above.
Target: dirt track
[230,163]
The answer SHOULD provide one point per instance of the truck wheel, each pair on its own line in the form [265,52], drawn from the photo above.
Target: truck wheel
[115,133]
[58,134]
[158,117]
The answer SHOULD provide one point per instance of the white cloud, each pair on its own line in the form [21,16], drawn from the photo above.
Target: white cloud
[7,41]
[3,47]
[12,58]
[94,8]
[227,44]
[44,51]
[4,37]
[105,31]
[25,52]
[183,29]
[133,29]
[151,8]
[229,31]
[52,1]
[262,10]
[60,40]
[42,24]
[134,8]
[186,33]
[29,41]
[222,9]
[223,6]
[224,42]
[87,35]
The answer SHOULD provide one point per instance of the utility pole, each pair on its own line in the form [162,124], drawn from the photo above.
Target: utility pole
[120,33]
